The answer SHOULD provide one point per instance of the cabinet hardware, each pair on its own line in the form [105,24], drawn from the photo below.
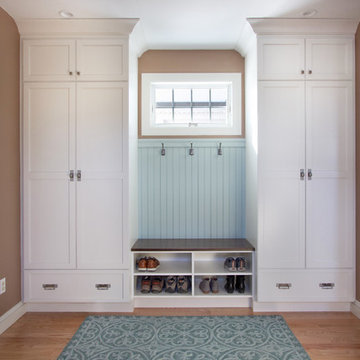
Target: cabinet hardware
[302,174]
[326,286]
[78,72]
[310,72]
[163,152]
[283,286]
[103,286]
[220,150]
[49,286]
[302,72]
[191,151]
[70,72]
[78,175]
[310,174]
[71,175]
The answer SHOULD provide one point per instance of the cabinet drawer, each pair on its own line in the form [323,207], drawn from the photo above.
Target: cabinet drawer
[306,285]
[76,286]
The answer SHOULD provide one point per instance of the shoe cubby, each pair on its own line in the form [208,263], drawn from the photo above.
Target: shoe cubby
[170,264]
[221,285]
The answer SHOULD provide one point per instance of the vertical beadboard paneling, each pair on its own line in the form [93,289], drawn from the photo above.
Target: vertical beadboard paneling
[199,196]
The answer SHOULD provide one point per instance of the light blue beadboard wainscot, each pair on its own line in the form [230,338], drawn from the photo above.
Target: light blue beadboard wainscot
[199,196]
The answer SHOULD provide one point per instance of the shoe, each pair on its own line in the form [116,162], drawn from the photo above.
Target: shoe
[240,264]
[145,284]
[205,285]
[229,285]
[230,264]
[152,264]
[157,284]
[214,285]
[240,284]
[141,264]
[170,284]
[183,284]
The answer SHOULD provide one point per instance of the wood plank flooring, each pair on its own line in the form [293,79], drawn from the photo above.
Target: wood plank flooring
[42,336]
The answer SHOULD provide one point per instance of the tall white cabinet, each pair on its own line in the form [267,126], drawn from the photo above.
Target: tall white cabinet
[75,162]
[304,164]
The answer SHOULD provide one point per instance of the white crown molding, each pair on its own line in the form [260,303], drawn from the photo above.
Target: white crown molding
[11,316]
[355,308]
[246,40]
[53,27]
[297,26]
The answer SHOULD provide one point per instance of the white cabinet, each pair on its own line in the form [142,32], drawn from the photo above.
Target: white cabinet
[311,58]
[70,60]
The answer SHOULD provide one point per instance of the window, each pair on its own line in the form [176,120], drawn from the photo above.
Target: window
[191,104]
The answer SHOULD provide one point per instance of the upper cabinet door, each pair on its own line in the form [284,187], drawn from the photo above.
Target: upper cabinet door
[49,60]
[329,59]
[102,60]
[281,58]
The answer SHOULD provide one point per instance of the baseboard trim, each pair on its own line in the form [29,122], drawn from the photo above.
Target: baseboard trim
[80,307]
[284,307]
[163,302]
[355,308]
[11,316]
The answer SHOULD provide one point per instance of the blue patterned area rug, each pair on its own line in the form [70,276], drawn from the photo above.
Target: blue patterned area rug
[184,338]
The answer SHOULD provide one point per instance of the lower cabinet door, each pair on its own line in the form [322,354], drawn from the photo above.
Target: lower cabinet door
[79,286]
[306,285]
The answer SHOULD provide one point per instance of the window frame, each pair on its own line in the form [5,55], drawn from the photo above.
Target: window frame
[148,126]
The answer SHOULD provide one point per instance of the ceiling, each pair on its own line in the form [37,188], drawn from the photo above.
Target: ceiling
[184,24]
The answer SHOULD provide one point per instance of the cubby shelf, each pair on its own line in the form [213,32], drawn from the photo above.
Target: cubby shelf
[194,258]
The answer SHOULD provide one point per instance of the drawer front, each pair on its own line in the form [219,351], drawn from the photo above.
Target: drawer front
[82,286]
[306,285]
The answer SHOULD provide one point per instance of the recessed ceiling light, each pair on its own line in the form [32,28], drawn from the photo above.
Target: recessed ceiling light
[309,13]
[65,14]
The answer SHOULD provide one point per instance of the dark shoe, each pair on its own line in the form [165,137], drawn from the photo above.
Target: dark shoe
[183,284]
[170,284]
[230,264]
[145,284]
[240,264]
[214,285]
[240,284]
[205,285]
[229,285]
[157,284]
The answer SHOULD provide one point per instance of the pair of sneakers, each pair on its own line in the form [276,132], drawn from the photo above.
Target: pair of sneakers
[238,264]
[181,284]
[154,284]
[209,284]
[147,264]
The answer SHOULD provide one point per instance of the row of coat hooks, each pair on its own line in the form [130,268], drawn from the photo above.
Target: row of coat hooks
[191,150]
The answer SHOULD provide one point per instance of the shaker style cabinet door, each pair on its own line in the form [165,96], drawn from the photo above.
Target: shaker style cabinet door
[49,60]
[281,58]
[49,193]
[329,59]
[281,186]
[330,185]
[101,60]
[101,110]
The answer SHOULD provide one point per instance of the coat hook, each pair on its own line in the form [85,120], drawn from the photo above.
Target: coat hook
[191,151]
[162,149]
[220,150]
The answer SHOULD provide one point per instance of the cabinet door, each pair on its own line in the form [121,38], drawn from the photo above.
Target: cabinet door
[281,58]
[101,132]
[49,127]
[281,189]
[102,60]
[49,60]
[329,59]
[330,192]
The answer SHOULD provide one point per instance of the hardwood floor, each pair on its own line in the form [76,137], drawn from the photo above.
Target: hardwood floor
[42,336]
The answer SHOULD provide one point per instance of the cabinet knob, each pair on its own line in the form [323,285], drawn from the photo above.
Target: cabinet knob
[71,175]
[78,72]
[327,286]
[302,72]
[103,286]
[310,72]
[302,174]
[70,72]
[283,286]
[78,175]
[49,286]
[310,174]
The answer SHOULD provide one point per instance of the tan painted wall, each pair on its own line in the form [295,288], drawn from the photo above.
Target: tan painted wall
[190,61]
[9,162]
[357,51]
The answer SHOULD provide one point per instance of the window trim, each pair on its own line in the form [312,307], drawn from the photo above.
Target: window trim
[147,128]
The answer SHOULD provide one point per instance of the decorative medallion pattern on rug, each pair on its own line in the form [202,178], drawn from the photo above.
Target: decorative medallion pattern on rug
[184,338]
